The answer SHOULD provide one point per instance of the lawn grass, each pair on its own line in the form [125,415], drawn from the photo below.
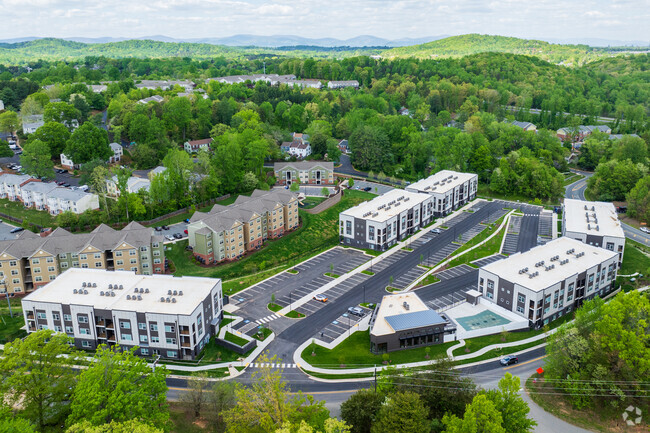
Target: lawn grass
[496,353]
[17,210]
[570,178]
[484,234]
[262,334]
[602,418]
[311,202]
[292,271]
[429,279]
[238,284]
[317,233]
[354,352]
[367,272]
[209,355]
[293,314]
[235,339]
[634,260]
[484,191]
[185,215]
[493,246]
[215,373]
[10,328]
[274,307]
[331,275]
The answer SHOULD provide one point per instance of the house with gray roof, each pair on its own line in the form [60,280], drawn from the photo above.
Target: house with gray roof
[61,199]
[11,184]
[155,98]
[526,126]
[304,172]
[32,123]
[34,194]
[343,84]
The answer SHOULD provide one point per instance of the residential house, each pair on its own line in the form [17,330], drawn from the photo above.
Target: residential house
[35,194]
[227,232]
[343,84]
[299,147]
[579,133]
[61,199]
[32,123]
[11,185]
[386,219]
[619,136]
[156,171]
[118,151]
[594,223]
[31,261]
[449,190]
[526,126]
[550,280]
[304,172]
[2,105]
[98,88]
[154,98]
[272,79]
[193,146]
[156,315]
[404,321]
[164,85]
[344,146]
[133,185]
[67,163]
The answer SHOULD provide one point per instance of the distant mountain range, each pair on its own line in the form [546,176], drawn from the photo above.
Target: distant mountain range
[260,41]
[293,40]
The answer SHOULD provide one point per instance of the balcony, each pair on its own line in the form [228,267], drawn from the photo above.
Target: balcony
[110,325]
[101,322]
[184,332]
[101,335]
[111,338]
[185,344]
[32,328]
[30,315]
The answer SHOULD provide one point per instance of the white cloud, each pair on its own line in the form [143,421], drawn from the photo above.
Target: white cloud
[274,9]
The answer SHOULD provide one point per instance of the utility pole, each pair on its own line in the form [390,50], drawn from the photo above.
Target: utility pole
[4,284]
[375,378]
[264,63]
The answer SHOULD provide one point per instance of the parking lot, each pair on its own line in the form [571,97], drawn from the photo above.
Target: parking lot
[341,325]
[454,272]
[375,188]
[487,260]
[5,232]
[332,294]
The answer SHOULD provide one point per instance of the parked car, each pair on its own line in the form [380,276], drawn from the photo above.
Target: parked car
[60,182]
[508,360]
[185,231]
[366,189]
[436,231]
[165,227]
[645,229]
[320,298]
[67,185]
[178,236]
[169,237]
[17,230]
[357,311]
[187,220]
[158,229]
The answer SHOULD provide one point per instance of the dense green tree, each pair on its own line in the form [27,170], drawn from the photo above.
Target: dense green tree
[514,410]
[481,416]
[131,426]
[638,200]
[55,135]
[5,150]
[87,143]
[61,112]
[614,179]
[9,121]
[360,410]
[36,372]
[402,412]
[37,160]
[119,387]
[370,148]
[177,114]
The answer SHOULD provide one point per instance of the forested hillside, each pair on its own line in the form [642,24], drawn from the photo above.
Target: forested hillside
[459,46]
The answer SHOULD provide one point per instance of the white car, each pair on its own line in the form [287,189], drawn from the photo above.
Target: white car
[169,237]
[645,229]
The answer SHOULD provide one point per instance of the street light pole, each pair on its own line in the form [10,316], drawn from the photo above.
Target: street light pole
[4,283]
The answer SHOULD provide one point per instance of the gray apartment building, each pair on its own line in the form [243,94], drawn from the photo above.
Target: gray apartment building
[549,281]
[448,189]
[383,221]
[173,317]
[595,223]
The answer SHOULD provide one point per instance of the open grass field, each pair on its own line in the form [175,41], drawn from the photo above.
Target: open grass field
[635,258]
[354,352]
[10,328]
[317,233]
[489,248]
[17,210]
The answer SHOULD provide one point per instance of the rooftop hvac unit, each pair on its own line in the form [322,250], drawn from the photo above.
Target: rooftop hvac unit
[121,287]
[597,228]
[173,300]
[83,284]
[406,306]
[134,298]
[162,299]
[141,290]
[101,293]
[146,290]
[139,298]
[128,297]
[588,226]
[169,292]
[531,276]
[167,300]
[135,290]
[180,293]
[94,284]
[586,208]
[110,287]
[593,208]
[74,291]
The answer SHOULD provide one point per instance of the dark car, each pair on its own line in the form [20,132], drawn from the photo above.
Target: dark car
[178,236]
[366,189]
[508,360]
[165,227]
[187,220]
[67,185]
[158,228]
[16,230]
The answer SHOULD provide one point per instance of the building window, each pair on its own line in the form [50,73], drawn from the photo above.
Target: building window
[67,317]
[118,253]
[144,351]
[84,331]
[85,343]
[169,328]
[50,260]
[35,261]
[153,327]
[64,265]
[143,339]
[521,298]
[56,316]
[41,316]
[35,270]
[50,269]
[82,319]
[69,330]
[155,339]
[98,255]
[490,285]
[171,354]
[83,257]
[38,278]
[142,326]
[132,252]
[348,228]
[134,261]
[84,265]
[520,309]
[371,233]
[125,325]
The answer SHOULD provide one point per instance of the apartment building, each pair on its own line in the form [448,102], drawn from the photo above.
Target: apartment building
[595,223]
[550,280]
[193,146]
[381,222]
[448,189]
[343,84]
[133,185]
[31,261]
[227,232]
[304,172]
[581,132]
[68,164]
[32,123]
[45,196]
[161,315]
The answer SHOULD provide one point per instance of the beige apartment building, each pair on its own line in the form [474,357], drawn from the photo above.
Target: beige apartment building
[227,232]
[31,261]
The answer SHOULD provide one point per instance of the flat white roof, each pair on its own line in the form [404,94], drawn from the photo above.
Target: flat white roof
[392,305]
[61,291]
[386,206]
[592,217]
[441,182]
[509,268]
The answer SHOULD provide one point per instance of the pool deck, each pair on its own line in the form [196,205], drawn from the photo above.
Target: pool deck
[466,310]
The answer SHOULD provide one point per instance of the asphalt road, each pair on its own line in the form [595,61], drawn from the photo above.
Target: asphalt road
[529,227]
[375,285]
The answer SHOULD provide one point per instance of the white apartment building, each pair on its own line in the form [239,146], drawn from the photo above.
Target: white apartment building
[118,151]
[173,317]
[594,223]
[67,162]
[550,280]
[60,200]
[133,185]
[11,185]
[381,222]
[449,190]
[35,194]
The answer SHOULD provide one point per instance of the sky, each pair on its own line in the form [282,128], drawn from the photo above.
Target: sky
[342,19]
